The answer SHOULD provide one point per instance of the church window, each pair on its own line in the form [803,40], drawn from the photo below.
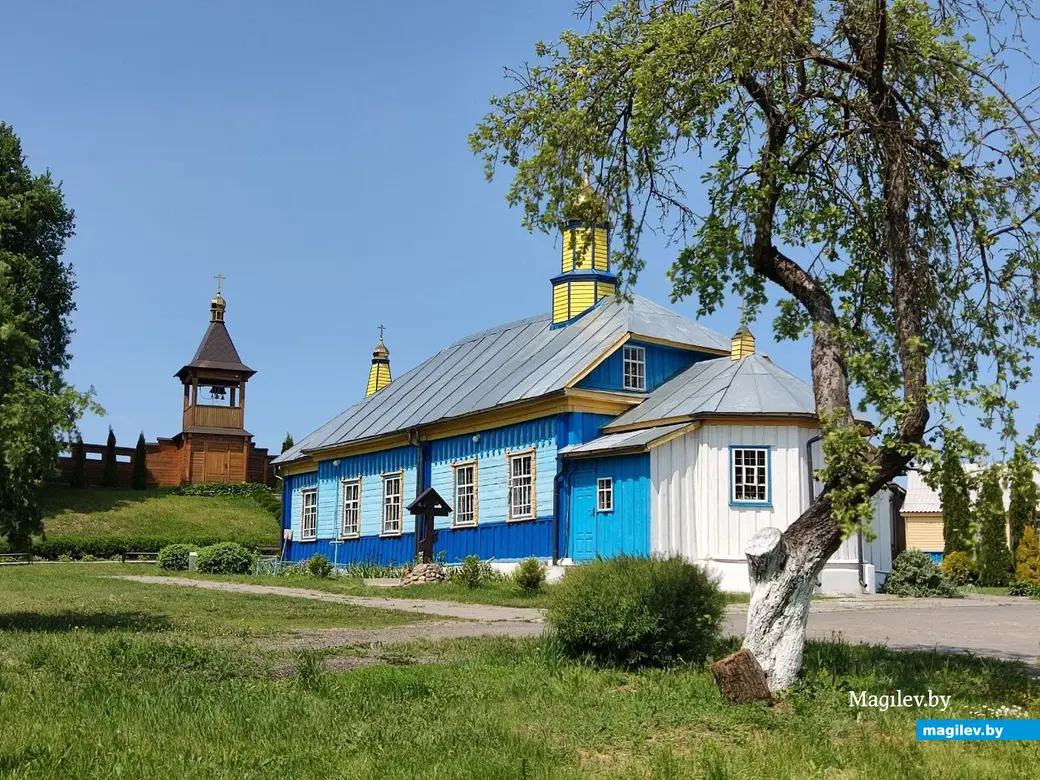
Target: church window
[350,525]
[521,486]
[392,504]
[465,512]
[309,514]
[604,494]
[749,475]
[635,368]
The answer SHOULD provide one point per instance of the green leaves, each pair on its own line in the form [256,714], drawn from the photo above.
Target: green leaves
[36,406]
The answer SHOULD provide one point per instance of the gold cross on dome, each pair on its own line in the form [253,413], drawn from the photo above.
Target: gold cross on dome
[219,278]
[381,329]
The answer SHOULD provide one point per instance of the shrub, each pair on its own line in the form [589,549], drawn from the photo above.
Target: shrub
[88,558]
[1020,588]
[65,558]
[469,573]
[959,568]
[631,612]
[225,558]
[319,566]
[1028,556]
[529,575]
[916,574]
[109,546]
[174,557]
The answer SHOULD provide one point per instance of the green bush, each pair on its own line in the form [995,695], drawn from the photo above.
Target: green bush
[174,557]
[88,558]
[631,612]
[319,566]
[1020,588]
[914,573]
[468,573]
[225,558]
[959,568]
[529,575]
[108,546]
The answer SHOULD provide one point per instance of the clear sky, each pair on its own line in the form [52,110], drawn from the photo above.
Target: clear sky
[316,155]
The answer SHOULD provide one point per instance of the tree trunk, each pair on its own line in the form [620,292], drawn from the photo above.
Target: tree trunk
[783,568]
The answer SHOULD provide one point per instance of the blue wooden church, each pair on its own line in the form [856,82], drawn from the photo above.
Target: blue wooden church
[601,428]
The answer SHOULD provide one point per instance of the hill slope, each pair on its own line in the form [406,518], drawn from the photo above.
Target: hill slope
[155,513]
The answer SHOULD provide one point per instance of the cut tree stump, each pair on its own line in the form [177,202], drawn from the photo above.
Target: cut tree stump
[741,679]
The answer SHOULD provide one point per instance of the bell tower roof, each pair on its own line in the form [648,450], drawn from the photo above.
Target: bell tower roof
[217,351]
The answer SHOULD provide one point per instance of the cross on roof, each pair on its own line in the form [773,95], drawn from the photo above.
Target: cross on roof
[381,329]
[219,278]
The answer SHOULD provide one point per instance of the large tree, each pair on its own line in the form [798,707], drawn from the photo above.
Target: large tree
[996,568]
[36,405]
[861,159]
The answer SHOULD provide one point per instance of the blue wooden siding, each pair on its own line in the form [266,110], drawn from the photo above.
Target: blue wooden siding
[388,551]
[579,427]
[624,530]
[662,363]
[498,541]
[490,450]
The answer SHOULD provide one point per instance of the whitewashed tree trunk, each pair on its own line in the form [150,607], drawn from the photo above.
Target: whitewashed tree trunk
[783,568]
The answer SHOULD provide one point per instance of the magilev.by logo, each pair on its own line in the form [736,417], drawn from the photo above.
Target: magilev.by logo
[898,699]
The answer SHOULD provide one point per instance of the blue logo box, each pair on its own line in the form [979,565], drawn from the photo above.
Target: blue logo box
[993,730]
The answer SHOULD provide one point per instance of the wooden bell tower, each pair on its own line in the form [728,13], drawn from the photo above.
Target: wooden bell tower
[214,443]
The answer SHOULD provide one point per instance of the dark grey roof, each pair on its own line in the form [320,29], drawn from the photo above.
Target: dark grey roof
[510,363]
[751,385]
[629,441]
[217,351]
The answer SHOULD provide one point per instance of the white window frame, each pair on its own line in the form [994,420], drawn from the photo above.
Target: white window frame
[758,471]
[392,505]
[605,494]
[465,513]
[350,502]
[305,515]
[633,367]
[516,485]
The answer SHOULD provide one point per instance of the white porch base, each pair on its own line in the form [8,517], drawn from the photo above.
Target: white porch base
[838,578]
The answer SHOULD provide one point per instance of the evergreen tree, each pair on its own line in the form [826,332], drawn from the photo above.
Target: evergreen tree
[1028,557]
[139,480]
[956,500]
[288,443]
[110,476]
[79,464]
[994,557]
[1022,509]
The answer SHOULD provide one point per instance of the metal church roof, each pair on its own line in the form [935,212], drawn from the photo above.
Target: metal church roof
[751,385]
[217,351]
[515,362]
[629,441]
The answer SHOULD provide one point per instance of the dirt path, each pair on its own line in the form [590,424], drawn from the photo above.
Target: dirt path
[484,613]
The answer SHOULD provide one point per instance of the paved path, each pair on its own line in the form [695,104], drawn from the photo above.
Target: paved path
[983,625]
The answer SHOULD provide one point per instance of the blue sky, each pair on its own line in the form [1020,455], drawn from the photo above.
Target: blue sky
[316,155]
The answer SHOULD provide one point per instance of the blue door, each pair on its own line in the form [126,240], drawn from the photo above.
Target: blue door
[583,514]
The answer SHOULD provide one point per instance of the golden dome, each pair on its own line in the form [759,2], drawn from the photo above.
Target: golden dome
[588,205]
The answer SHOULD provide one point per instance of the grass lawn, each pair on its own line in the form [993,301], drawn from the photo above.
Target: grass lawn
[123,512]
[156,697]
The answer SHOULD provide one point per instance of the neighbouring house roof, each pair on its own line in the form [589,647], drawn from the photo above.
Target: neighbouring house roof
[515,362]
[751,385]
[628,441]
[217,351]
[922,499]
